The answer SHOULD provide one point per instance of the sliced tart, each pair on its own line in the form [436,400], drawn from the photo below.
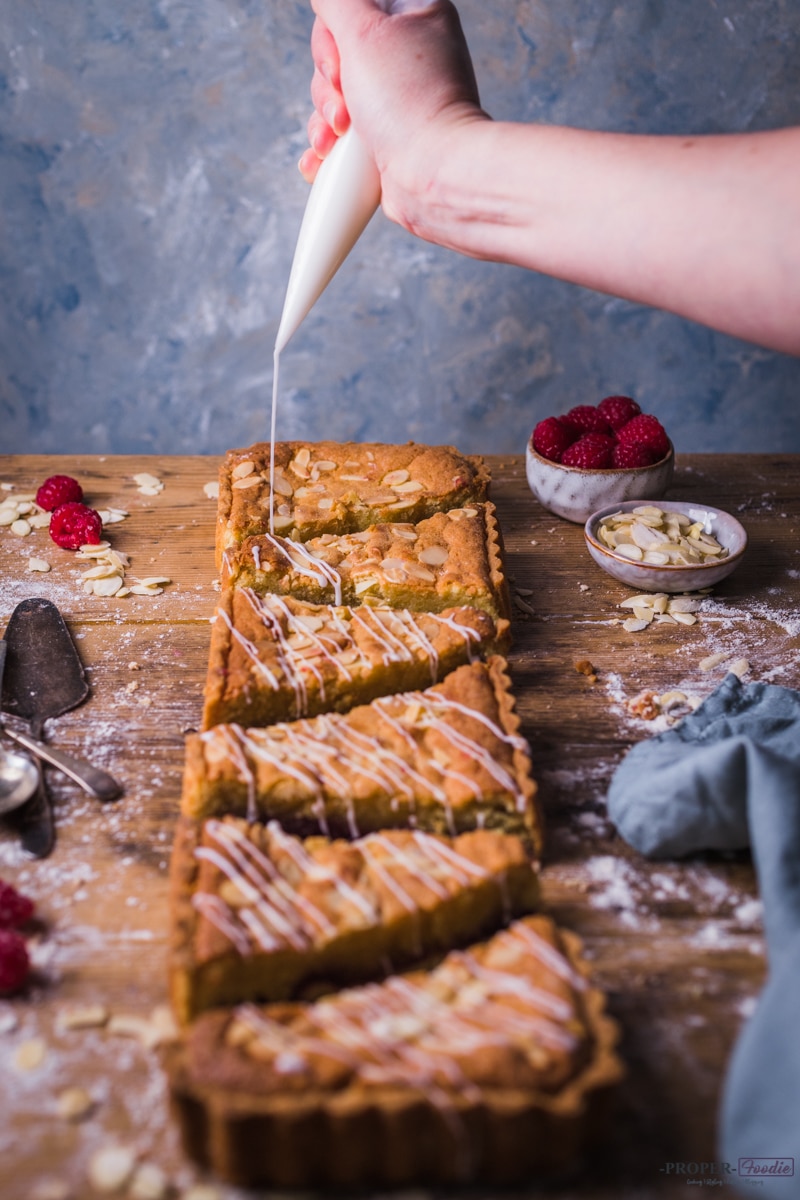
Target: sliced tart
[445,760]
[257,914]
[274,658]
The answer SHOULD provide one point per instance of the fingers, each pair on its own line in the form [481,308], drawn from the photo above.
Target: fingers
[309,164]
[329,104]
[325,53]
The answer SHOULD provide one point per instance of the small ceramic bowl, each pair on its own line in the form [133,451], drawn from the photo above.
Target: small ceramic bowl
[575,493]
[671,578]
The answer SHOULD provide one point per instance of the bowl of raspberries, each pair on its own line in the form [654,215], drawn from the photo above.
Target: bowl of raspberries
[595,455]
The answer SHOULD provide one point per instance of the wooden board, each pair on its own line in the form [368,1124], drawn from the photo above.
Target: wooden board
[677,945]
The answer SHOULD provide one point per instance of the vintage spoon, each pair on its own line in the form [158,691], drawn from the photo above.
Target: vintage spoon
[19,779]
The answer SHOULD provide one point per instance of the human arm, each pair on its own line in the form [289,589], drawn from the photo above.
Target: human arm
[707,227]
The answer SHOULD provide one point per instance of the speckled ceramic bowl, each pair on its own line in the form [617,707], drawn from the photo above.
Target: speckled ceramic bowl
[574,493]
[672,578]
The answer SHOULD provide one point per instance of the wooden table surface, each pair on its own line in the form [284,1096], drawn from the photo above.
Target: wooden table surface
[677,946]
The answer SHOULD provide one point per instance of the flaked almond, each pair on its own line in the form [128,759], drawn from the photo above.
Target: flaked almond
[433,556]
[87,1016]
[631,552]
[30,1054]
[74,1103]
[108,586]
[149,1182]
[38,564]
[363,585]
[633,625]
[249,481]
[683,604]
[111,1167]
[145,480]
[242,469]
[713,660]
[419,572]
[310,622]
[394,478]
[282,485]
[211,489]
[233,896]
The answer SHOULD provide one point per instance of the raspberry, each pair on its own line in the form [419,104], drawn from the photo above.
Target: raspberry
[633,454]
[15,909]
[647,431]
[14,961]
[587,419]
[551,438]
[618,410]
[58,489]
[592,452]
[74,525]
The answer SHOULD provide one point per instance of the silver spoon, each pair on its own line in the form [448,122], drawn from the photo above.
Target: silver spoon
[19,779]
[94,780]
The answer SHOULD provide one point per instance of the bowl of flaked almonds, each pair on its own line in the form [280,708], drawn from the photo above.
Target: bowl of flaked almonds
[674,546]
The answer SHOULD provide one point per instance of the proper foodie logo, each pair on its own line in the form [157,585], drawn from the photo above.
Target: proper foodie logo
[714,1174]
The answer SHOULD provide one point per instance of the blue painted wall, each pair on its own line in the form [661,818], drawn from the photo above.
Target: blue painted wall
[149,203]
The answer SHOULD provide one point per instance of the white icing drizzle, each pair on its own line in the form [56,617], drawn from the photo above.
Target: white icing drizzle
[396,644]
[286,657]
[309,565]
[276,913]
[215,910]
[404,1031]
[413,629]
[275,901]
[461,866]
[549,956]
[250,650]
[320,753]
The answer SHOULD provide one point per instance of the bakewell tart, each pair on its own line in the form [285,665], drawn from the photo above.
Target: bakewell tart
[340,487]
[258,914]
[445,760]
[273,658]
[450,559]
[491,1067]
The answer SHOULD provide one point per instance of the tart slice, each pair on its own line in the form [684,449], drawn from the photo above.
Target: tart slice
[273,658]
[449,559]
[257,913]
[492,1067]
[444,760]
[340,487]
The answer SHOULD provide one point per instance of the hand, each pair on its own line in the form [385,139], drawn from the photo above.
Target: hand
[409,85]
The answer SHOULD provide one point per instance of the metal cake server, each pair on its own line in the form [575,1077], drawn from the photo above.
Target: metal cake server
[44,678]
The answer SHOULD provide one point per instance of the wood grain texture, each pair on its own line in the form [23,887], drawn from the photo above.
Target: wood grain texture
[677,945]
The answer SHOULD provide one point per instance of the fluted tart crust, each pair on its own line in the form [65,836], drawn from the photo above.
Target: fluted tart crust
[490,1067]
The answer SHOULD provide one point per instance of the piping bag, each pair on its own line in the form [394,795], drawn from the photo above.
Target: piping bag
[344,196]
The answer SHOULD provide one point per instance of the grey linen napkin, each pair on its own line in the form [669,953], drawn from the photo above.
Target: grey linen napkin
[726,778]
